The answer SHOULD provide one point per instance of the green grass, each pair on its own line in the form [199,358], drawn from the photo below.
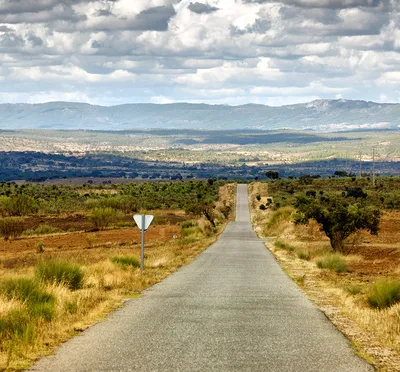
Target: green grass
[353,289]
[384,293]
[188,240]
[17,325]
[60,272]
[187,224]
[125,261]
[333,262]
[281,245]
[39,303]
[189,231]
[42,230]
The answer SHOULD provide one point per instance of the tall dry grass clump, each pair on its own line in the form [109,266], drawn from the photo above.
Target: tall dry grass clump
[279,220]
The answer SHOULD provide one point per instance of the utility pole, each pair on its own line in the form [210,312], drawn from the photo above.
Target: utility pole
[360,164]
[373,166]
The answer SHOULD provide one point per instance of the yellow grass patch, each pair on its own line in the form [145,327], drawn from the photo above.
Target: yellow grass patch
[106,284]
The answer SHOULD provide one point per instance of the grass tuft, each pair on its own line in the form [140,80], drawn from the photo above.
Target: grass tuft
[333,262]
[42,230]
[190,231]
[57,271]
[304,255]
[17,325]
[281,245]
[353,289]
[39,303]
[125,261]
[385,293]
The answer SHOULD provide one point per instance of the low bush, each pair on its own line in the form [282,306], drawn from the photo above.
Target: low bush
[102,217]
[384,293]
[11,227]
[333,262]
[60,272]
[125,261]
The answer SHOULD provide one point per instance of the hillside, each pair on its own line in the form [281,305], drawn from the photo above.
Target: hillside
[321,115]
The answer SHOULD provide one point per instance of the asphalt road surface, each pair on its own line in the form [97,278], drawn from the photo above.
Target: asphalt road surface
[231,309]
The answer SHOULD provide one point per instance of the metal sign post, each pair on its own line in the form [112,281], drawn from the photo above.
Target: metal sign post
[143,221]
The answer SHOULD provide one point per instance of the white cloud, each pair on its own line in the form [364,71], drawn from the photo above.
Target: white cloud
[225,51]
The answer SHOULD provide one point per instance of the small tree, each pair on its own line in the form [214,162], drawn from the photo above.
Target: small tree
[102,217]
[202,208]
[11,227]
[273,175]
[337,217]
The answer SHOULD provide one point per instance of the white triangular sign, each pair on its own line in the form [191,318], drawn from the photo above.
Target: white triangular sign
[148,218]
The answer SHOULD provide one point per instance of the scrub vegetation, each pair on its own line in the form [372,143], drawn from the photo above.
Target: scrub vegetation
[356,283]
[83,270]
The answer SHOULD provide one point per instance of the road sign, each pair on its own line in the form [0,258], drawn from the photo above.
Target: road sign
[143,221]
[143,224]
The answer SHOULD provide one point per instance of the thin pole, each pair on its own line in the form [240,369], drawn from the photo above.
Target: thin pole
[373,166]
[142,251]
[360,164]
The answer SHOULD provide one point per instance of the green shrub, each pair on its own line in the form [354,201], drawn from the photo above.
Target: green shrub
[60,272]
[18,205]
[11,227]
[333,262]
[102,217]
[384,294]
[281,245]
[125,261]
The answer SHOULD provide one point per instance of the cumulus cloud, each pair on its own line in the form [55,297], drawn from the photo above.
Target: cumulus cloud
[220,51]
[201,8]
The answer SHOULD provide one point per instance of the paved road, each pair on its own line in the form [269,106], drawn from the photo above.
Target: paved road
[232,309]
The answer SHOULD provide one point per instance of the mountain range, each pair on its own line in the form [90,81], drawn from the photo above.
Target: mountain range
[319,115]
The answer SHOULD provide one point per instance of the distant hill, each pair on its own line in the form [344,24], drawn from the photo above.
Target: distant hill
[319,115]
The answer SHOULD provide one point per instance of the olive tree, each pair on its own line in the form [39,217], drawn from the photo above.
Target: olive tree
[338,217]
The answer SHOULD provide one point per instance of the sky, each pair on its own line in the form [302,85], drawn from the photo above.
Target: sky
[110,52]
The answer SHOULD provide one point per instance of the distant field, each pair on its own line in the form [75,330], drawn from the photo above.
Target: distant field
[38,155]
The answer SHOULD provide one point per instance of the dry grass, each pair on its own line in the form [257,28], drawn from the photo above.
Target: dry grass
[105,286]
[375,334]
